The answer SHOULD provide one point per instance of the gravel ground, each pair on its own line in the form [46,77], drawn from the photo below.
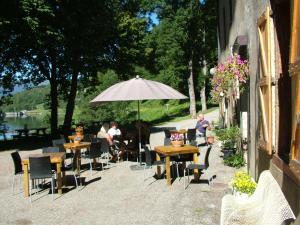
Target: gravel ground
[119,195]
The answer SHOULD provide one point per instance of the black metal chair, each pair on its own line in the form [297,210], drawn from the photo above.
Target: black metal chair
[191,136]
[40,168]
[200,167]
[74,168]
[167,133]
[149,162]
[88,137]
[104,149]
[93,152]
[51,149]
[60,143]
[18,168]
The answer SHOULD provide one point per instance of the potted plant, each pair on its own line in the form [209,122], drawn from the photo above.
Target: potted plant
[229,138]
[210,134]
[243,185]
[78,134]
[176,139]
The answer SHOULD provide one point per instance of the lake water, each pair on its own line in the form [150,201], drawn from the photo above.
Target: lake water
[19,123]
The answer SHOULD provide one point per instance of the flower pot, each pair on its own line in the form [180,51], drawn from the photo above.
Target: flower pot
[227,152]
[242,197]
[76,142]
[177,143]
[210,140]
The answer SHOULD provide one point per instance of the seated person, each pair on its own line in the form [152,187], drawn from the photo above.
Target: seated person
[103,133]
[112,133]
[202,125]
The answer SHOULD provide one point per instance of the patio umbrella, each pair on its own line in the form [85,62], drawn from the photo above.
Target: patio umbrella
[137,89]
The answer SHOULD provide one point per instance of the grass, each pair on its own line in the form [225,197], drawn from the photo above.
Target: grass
[159,112]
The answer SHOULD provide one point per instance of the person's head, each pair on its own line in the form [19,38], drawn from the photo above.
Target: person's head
[113,124]
[200,117]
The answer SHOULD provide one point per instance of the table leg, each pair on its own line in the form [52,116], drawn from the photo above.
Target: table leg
[168,171]
[26,180]
[158,167]
[59,183]
[95,162]
[196,172]
[78,161]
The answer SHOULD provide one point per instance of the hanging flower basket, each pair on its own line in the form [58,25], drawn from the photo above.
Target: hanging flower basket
[233,72]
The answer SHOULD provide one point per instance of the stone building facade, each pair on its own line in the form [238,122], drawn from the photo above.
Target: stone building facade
[267,34]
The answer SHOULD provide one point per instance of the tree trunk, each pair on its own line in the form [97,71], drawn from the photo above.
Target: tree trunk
[71,103]
[202,91]
[54,100]
[203,98]
[193,112]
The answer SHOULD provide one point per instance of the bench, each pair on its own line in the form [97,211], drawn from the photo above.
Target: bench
[267,205]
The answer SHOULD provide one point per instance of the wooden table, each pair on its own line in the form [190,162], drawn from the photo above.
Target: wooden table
[57,158]
[171,151]
[77,147]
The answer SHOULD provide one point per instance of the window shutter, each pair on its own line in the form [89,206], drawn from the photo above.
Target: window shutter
[295,75]
[264,83]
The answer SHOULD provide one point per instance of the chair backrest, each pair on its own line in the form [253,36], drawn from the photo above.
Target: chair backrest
[17,162]
[191,134]
[206,159]
[50,149]
[104,145]
[148,155]
[167,141]
[40,167]
[167,133]
[57,142]
[88,137]
[95,150]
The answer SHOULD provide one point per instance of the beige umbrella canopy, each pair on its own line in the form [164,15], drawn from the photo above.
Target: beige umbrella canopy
[137,89]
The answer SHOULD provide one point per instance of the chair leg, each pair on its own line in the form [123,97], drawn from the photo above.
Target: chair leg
[52,187]
[91,168]
[184,171]
[177,175]
[75,180]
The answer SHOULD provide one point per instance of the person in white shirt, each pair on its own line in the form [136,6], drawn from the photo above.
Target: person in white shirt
[113,131]
[116,144]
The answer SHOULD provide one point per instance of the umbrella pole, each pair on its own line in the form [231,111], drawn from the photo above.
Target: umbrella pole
[140,144]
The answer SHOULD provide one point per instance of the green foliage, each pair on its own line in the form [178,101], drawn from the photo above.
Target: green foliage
[243,183]
[27,100]
[229,136]
[235,160]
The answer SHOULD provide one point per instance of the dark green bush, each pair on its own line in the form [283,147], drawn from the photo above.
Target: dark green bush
[235,160]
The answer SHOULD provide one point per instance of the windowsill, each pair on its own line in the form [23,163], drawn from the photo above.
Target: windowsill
[292,170]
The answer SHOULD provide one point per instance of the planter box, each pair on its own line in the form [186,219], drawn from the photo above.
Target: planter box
[241,197]
[227,152]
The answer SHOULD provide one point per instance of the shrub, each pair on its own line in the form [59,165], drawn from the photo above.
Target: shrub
[229,136]
[235,160]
